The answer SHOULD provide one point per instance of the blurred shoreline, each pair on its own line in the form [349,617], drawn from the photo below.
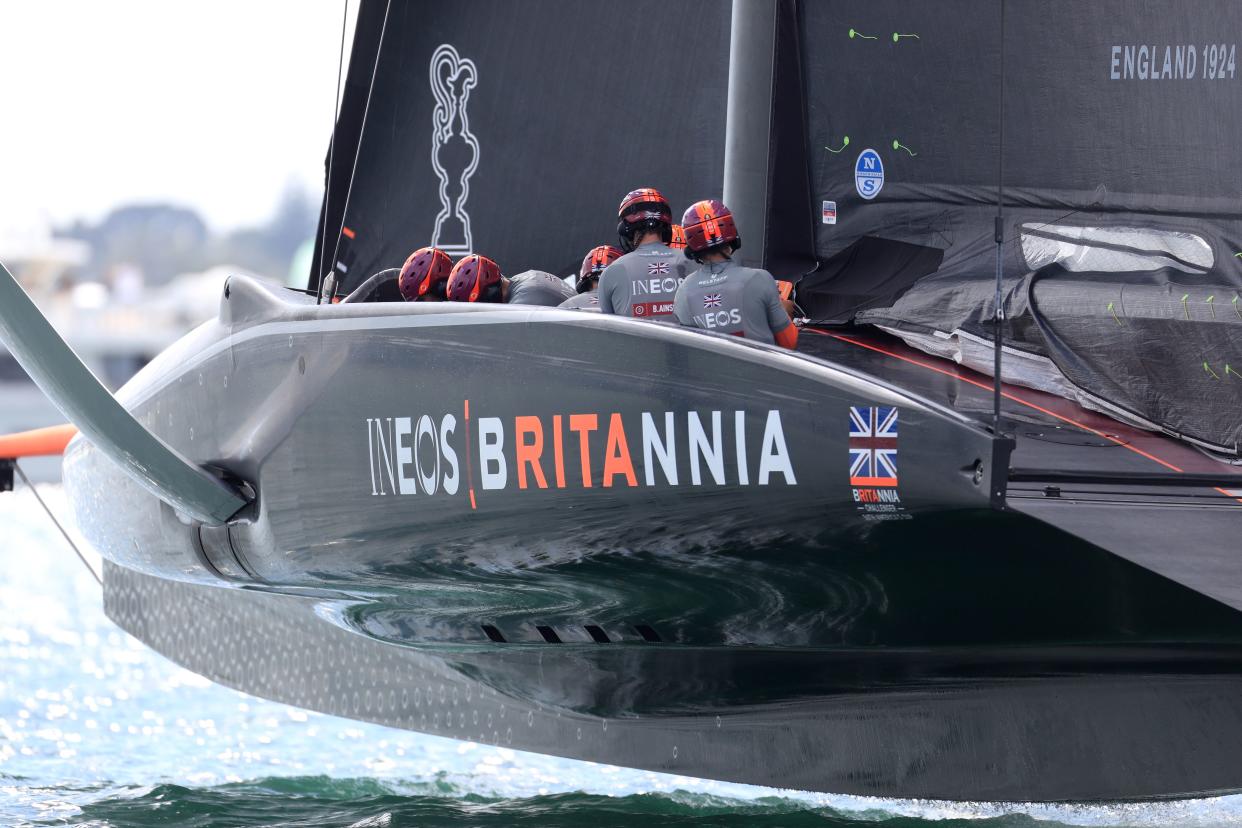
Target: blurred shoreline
[122,290]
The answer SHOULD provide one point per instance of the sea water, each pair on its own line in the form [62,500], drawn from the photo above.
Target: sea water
[96,729]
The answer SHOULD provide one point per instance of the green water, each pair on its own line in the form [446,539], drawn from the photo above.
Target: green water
[317,801]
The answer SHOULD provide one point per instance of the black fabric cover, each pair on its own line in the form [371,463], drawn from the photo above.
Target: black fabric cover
[1121,184]
[574,104]
[870,272]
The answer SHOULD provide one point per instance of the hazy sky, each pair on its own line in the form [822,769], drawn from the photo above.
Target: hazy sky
[217,106]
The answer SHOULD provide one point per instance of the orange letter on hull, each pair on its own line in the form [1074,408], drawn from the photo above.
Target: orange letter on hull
[558,453]
[617,454]
[529,452]
[584,424]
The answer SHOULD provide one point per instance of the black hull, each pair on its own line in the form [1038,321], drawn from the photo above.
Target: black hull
[782,634]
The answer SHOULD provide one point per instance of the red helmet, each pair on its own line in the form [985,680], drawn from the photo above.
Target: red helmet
[425,274]
[678,242]
[708,226]
[474,279]
[593,265]
[641,210]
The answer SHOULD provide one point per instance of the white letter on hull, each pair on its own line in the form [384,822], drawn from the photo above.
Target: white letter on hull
[405,455]
[371,456]
[426,428]
[774,457]
[739,436]
[491,445]
[713,453]
[385,457]
[450,457]
[665,450]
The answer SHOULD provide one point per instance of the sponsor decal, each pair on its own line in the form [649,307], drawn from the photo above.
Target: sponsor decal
[873,462]
[657,269]
[644,309]
[719,319]
[667,284]
[442,455]
[868,174]
[830,212]
[711,300]
[452,78]
[873,446]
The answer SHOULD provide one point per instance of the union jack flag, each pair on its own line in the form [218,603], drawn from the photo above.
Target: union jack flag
[657,269]
[873,446]
[711,300]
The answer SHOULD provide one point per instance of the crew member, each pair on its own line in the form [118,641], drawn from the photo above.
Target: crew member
[723,295]
[477,279]
[425,274]
[593,265]
[642,283]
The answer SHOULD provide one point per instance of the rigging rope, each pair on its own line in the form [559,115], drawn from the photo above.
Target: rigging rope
[362,131]
[336,116]
[17,466]
[998,312]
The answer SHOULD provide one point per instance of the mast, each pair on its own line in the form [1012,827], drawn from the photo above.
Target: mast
[747,154]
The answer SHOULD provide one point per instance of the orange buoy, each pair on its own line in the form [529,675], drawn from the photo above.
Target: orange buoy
[37,442]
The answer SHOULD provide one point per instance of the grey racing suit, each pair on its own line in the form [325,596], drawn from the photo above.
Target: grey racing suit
[642,283]
[583,301]
[535,287]
[729,298]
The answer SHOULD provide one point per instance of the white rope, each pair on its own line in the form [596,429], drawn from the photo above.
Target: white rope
[336,116]
[349,191]
[68,539]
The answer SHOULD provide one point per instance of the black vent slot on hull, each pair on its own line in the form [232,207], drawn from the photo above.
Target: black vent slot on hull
[648,633]
[549,635]
[597,634]
[493,634]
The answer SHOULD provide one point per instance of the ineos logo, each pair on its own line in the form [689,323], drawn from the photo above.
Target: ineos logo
[412,458]
[720,318]
[666,285]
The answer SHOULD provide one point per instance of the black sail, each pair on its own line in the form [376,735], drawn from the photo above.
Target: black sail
[521,139]
[884,158]
[1121,189]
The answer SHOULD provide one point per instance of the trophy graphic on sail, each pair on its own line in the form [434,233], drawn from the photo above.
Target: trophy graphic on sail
[454,150]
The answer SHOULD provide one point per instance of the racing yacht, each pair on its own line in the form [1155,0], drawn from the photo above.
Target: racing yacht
[974,539]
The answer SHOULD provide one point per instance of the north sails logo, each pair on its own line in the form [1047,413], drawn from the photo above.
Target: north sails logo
[430,455]
[454,149]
